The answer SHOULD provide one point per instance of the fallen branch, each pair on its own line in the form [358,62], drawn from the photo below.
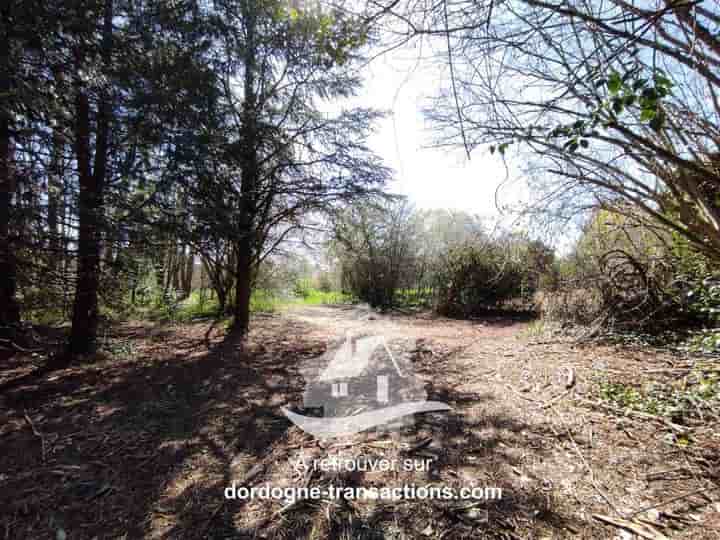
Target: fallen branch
[519,394]
[641,529]
[37,434]
[18,347]
[590,470]
[417,446]
[675,499]
[554,400]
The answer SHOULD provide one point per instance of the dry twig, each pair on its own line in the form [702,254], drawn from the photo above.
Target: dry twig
[641,529]
[37,434]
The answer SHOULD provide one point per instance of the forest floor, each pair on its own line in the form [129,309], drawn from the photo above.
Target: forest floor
[143,442]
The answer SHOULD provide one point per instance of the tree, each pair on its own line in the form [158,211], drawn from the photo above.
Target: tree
[9,309]
[285,157]
[137,137]
[24,31]
[92,178]
[614,102]
[377,246]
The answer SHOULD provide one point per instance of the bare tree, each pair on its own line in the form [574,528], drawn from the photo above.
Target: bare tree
[611,102]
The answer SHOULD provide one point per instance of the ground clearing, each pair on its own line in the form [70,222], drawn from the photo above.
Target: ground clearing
[143,444]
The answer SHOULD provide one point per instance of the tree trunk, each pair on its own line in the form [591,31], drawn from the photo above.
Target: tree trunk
[243,287]
[216,274]
[85,310]
[249,180]
[188,271]
[9,309]
[54,201]
[83,337]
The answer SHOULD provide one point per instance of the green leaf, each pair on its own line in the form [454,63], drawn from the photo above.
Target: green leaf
[661,91]
[662,80]
[658,121]
[618,105]
[647,114]
[640,83]
[614,83]
[571,145]
[650,94]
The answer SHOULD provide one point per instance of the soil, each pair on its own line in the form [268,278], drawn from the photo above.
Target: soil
[143,442]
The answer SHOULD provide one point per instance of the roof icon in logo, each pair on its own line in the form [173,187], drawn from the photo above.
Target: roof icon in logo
[358,385]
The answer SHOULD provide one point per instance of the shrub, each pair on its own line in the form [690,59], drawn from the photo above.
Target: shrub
[476,278]
[627,276]
[571,305]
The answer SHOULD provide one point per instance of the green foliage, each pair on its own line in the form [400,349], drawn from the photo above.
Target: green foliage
[325,282]
[536,329]
[628,93]
[319,297]
[704,341]
[302,288]
[203,304]
[697,279]
[416,297]
[376,247]
[692,397]
[264,301]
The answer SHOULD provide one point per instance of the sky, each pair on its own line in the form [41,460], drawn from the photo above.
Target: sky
[432,178]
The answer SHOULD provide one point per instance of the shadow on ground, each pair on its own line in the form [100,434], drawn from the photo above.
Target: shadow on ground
[144,446]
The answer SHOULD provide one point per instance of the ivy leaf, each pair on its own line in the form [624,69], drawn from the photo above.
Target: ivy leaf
[658,121]
[640,83]
[614,83]
[662,80]
[618,105]
[650,94]
[647,114]
[571,146]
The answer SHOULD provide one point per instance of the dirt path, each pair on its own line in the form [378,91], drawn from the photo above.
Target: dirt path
[144,443]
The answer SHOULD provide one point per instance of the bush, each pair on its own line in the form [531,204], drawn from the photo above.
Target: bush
[627,276]
[302,288]
[572,305]
[474,279]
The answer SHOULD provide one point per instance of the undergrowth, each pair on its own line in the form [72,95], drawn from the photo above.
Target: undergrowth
[696,396]
[204,305]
